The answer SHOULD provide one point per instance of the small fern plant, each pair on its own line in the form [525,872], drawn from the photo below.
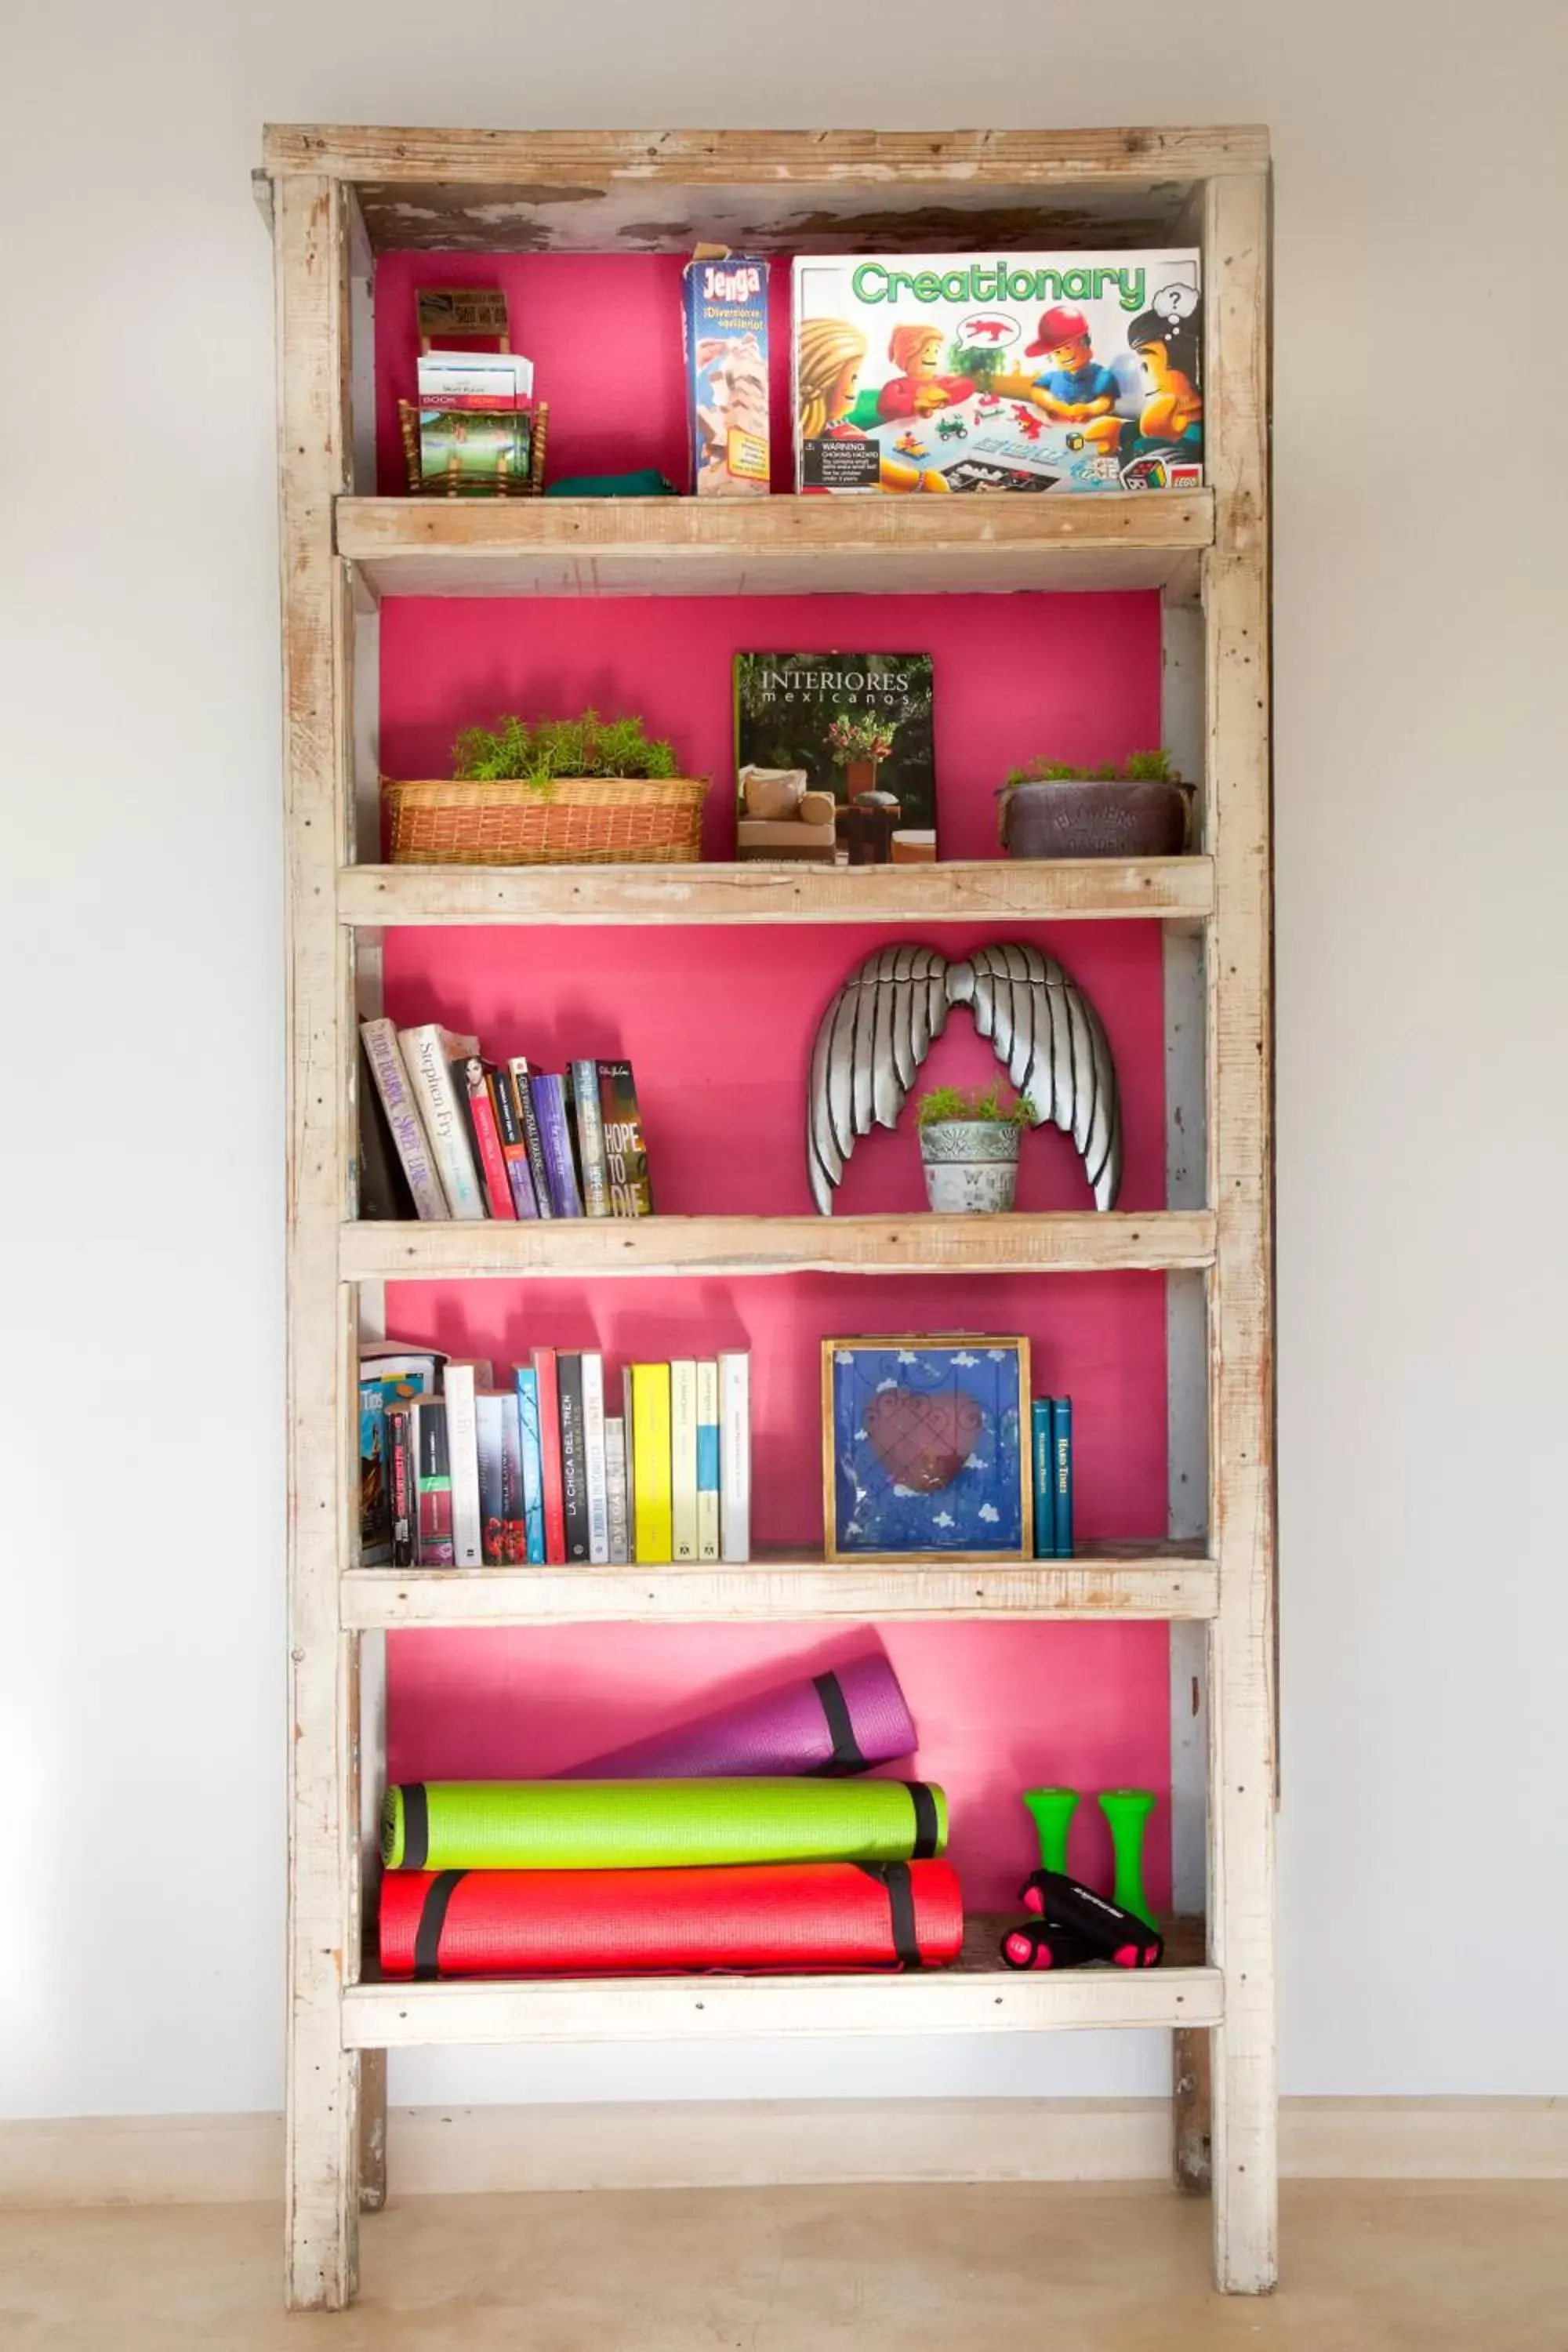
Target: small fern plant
[986,1105]
[514,752]
[1138,768]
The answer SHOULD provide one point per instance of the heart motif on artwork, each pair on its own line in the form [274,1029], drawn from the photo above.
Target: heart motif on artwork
[923,1442]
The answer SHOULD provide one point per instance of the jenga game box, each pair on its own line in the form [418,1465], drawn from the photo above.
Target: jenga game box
[986,372]
[726,320]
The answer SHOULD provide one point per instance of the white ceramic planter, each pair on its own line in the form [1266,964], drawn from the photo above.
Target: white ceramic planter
[971,1165]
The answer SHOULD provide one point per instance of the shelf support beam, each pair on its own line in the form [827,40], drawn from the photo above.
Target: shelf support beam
[1241,1383]
[322,2077]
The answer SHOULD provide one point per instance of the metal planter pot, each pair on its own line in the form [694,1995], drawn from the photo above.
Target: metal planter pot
[971,1166]
[1076,817]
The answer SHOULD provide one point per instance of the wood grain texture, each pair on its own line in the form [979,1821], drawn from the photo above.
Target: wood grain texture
[1061,1242]
[771,547]
[1122,1581]
[323,1479]
[1241,1480]
[989,890]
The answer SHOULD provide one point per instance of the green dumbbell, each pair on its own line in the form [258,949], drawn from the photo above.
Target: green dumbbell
[1053,1811]
[1128,1812]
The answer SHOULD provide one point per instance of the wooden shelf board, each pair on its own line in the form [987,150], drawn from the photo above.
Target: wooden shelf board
[776,546]
[977,1995]
[582,1247]
[766,190]
[1120,1580]
[989,890]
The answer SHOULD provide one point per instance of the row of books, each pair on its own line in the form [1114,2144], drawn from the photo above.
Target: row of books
[481,1138]
[455,1472]
[1050,1421]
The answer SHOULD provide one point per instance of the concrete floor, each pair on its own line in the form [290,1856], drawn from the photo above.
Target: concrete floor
[1369,2267]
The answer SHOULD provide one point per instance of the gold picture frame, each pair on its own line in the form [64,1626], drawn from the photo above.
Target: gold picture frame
[957,1409]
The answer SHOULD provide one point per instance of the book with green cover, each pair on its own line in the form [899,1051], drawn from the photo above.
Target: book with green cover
[852,724]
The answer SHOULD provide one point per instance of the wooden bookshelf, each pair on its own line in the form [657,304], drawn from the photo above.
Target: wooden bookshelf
[337,197]
[1123,1581]
[984,890]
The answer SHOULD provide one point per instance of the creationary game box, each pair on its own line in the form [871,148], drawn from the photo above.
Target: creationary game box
[1012,372]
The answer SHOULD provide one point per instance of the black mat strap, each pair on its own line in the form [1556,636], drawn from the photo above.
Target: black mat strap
[928,1822]
[895,1877]
[847,1756]
[432,1919]
[415,1826]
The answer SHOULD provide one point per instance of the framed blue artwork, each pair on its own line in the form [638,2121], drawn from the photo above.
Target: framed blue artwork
[924,1448]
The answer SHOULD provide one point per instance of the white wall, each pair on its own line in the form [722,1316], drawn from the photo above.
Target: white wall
[1422,848]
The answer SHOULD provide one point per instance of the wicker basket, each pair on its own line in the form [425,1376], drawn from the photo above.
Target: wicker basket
[446,486]
[586,821]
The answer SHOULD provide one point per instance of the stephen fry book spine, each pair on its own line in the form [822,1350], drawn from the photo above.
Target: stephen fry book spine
[526,1382]
[403,1117]
[434,1479]
[429,1052]
[538,1165]
[549,1104]
[583,1087]
[513,1147]
[546,1374]
[625,1149]
[574,1457]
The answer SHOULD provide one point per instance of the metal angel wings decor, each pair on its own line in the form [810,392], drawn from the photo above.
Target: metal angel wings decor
[882,1024]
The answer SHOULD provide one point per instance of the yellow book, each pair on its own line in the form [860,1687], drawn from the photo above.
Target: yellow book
[653,1539]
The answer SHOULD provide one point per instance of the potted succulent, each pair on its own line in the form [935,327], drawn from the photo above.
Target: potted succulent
[1139,808]
[553,791]
[969,1147]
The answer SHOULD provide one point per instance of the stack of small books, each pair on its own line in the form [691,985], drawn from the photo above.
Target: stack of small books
[457,1471]
[481,1138]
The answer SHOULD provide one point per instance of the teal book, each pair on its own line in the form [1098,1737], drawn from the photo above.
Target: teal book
[527,1383]
[1061,1484]
[1044,1462]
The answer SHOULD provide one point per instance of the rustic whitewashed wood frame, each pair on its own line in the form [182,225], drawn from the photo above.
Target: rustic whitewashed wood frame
[333,197]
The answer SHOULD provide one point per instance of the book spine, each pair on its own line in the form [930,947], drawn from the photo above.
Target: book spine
[514,1530]
[463,1464]
[625,1151]
[1061,1455]
[426,1060]
[707,1461]
[594,1457]
[526,1380]
[374,1483]
[574,1456]
[735,1457]
[683,1460]
[583,1078]
[400,1449]
[391,1076]
[432,1478]
[514,1148]
[490,1419]
[651,1461]
[546,1373]
[487,1135]
[628,1422]
[616,1500]
[538,1166]
[1043,1481]
[550,1103]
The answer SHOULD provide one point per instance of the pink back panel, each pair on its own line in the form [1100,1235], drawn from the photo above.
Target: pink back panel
[1067,677]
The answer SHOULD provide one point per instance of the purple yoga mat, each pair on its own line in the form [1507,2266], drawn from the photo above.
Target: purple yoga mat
[832,1723]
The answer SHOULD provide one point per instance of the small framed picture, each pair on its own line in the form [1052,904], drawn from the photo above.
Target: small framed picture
[923,1448]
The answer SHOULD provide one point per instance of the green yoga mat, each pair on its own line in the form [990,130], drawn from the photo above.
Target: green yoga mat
[644,1824]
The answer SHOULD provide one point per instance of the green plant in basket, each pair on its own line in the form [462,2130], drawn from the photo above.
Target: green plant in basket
[1138,768]
[983,1105]
[514,752]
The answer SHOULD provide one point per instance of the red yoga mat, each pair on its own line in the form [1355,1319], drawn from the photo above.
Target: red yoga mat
[760,1916]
